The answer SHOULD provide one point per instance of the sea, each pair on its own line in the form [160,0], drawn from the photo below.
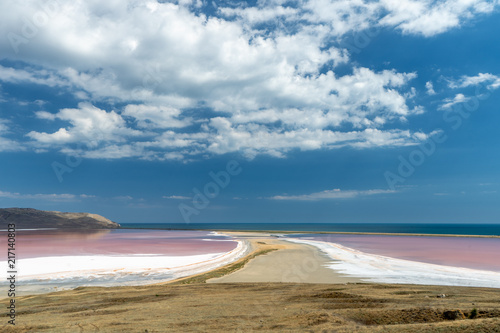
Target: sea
[421,228]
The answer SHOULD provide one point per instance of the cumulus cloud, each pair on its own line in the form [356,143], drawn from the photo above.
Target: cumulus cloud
[89,125]
[331,195]
[253,139]
[427,18]
[173,82]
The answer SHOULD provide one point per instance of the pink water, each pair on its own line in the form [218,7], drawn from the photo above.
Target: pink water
[468,252]
[475,253]
[44,243]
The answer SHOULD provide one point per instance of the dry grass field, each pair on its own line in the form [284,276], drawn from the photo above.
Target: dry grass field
[262,307]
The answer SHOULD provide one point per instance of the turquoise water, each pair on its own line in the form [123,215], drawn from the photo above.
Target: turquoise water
[440,229]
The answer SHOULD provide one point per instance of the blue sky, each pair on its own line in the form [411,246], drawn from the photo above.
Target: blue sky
[309,111]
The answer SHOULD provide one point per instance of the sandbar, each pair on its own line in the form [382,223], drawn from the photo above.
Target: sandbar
[298,263]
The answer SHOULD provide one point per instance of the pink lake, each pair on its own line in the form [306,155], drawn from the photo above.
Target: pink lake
[467,252]
[58,242]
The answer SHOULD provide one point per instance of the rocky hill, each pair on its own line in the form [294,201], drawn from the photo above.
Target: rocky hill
[29,218]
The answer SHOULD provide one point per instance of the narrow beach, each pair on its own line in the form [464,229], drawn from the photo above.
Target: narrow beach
[298,263]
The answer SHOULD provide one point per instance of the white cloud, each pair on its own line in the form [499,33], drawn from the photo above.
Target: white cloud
[9,145]
[449,102]
[31,75]
[254,15]
[430,88]
[331,195]
[176,197]
[5,143]
[486,80]
[3,126]
[425,17]
[253,139]
[422,17]
[149,116]
[111,151]
[123,198]
[45,197]
[239,87]
[89,125]
[489,80]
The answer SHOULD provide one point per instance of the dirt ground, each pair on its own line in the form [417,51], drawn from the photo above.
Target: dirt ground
[263,307]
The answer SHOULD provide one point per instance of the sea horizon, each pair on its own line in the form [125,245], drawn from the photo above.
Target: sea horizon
[459,229]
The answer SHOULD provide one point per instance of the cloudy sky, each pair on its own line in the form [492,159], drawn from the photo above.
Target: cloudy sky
[257,111]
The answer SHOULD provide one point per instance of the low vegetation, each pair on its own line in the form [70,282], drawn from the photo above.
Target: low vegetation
[262,307]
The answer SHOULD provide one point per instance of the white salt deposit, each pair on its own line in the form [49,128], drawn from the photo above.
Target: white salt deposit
[377,268]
